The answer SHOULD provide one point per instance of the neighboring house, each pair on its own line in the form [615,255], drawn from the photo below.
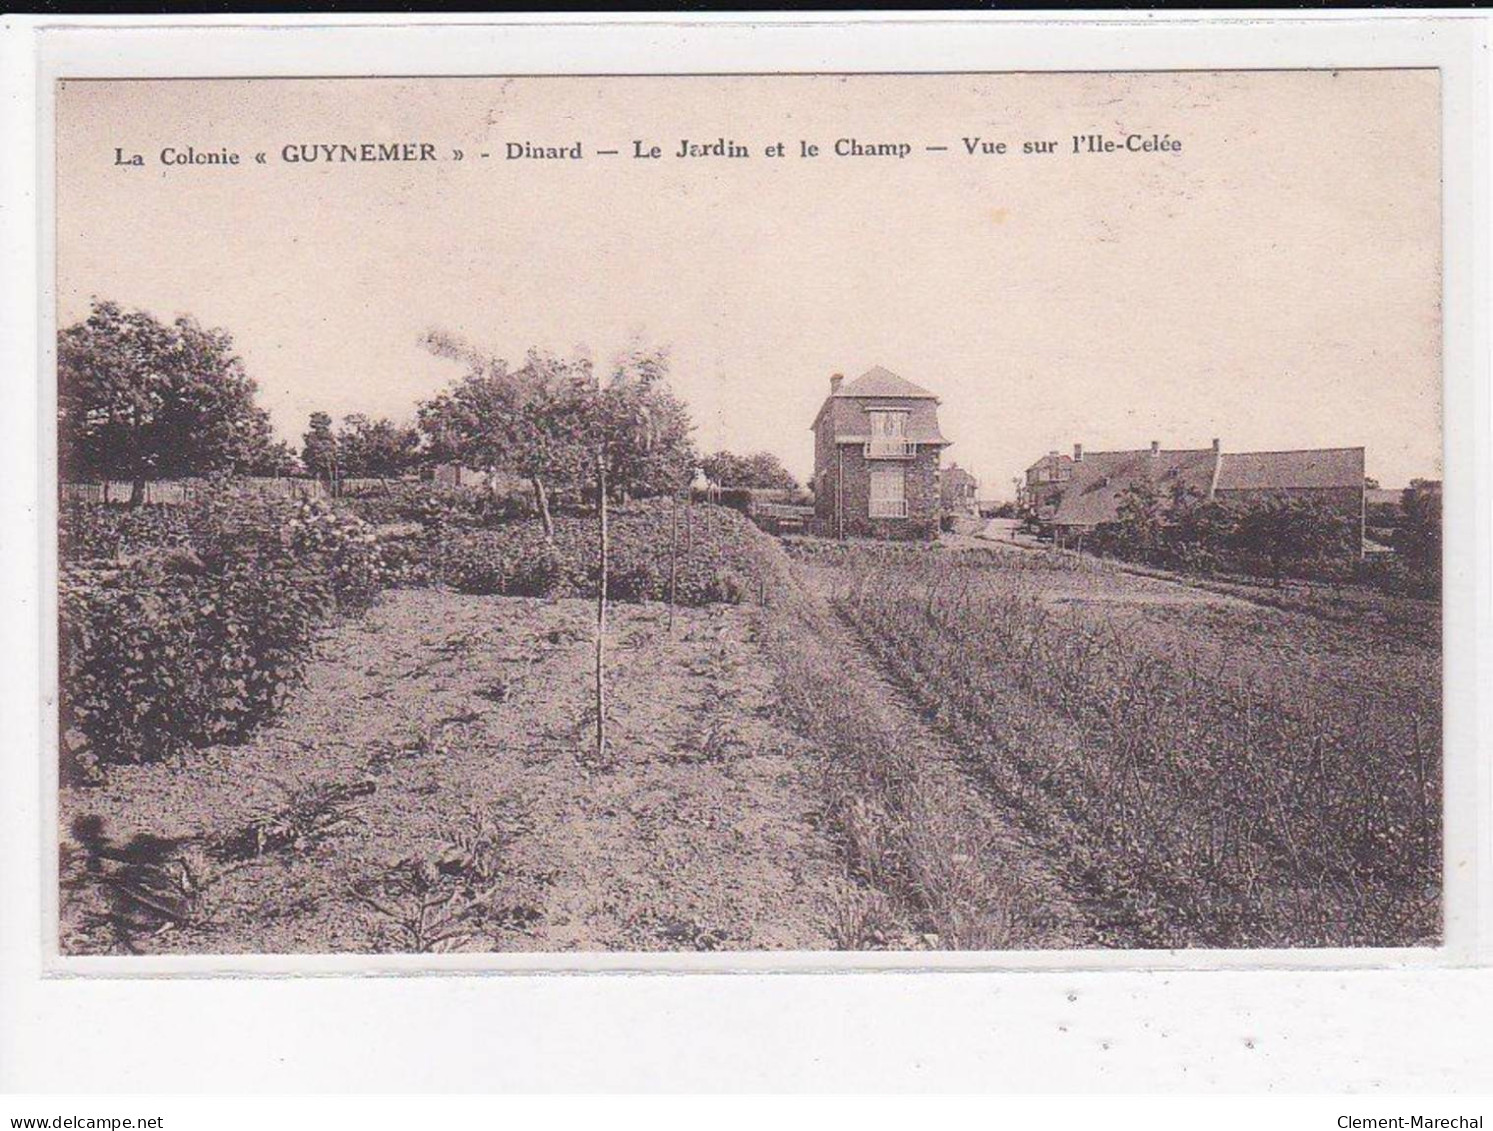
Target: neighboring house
[455,475]
[1045,482]
[876,454]
[1099,480]
[957,490]
[498,482]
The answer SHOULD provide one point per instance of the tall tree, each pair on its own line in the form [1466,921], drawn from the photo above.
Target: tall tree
[140,400]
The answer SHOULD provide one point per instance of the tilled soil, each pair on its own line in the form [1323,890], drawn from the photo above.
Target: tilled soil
[435,787]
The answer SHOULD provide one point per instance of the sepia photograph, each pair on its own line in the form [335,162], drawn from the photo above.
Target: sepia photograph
[780,512]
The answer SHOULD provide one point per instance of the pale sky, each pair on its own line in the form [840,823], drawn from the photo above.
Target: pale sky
[1276,283]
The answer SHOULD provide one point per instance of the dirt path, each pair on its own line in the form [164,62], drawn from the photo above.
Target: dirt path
[433,787]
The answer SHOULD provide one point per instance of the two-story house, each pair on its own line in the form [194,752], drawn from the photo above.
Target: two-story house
[958,489]
[1046,480]
[877,448]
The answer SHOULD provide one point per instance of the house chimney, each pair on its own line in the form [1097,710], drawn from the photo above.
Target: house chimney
[1215,445]
[1155,448]
[834,383]
[1077,453]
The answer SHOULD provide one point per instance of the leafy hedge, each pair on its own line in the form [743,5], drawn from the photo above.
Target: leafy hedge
[199,638]
[435,506]
[91,531]
[719,556]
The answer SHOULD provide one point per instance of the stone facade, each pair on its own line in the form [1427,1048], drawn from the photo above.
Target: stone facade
[880,413]
[921,492]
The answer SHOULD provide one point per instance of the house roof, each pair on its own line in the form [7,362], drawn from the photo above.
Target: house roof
[1383,496]
[879,382]
[1050,458]
[844,411]
[1320,468]
[1100,479]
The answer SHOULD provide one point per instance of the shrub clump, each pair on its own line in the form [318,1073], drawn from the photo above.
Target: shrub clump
[438,507]
[201,638]
[718,557]
[95,531]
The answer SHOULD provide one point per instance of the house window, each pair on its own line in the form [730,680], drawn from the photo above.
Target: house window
[886,425]
[889,491]
[889,435]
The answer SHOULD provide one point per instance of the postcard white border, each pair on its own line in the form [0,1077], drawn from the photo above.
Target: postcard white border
[329,46]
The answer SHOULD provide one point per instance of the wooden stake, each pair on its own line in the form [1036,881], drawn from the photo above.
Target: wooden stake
[673,558]
[601,612]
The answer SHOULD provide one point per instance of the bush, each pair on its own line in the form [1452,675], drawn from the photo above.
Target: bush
[201,637]
[1276,536]
[92,531]
[440,507]
[1401,577]
[344,548]
[154,660]
[517,562]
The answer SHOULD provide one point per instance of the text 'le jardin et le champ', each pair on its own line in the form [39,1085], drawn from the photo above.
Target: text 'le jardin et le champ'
[377,152]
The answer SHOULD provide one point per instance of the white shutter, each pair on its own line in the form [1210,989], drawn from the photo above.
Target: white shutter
[888,491]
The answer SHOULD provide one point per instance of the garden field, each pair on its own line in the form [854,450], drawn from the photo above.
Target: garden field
[370,727]
[1216,771]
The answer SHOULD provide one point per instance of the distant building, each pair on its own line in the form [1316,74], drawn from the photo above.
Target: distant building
[1097,481]
[1043,486]
[877,447]
[957,491]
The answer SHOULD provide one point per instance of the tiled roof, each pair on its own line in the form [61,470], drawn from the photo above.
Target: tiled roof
[1100,479]
[879,382]
[1049,459]
[1320,468]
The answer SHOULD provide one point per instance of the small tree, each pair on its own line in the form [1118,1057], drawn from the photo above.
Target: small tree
[142,400]
[540,421]
[626,423]
[526,421]
[319,449]
[1139,531]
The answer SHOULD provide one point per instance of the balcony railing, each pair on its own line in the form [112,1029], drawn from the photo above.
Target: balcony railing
[891,449]
[888,508]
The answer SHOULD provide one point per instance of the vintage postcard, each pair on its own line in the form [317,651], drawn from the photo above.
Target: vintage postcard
[783,512]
